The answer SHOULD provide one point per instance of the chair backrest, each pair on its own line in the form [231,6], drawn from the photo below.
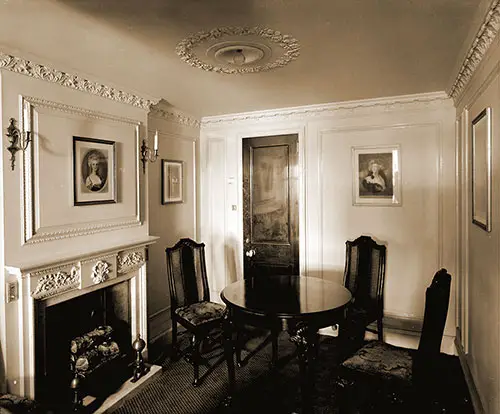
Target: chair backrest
[364,271]
[187,274]
[437,299]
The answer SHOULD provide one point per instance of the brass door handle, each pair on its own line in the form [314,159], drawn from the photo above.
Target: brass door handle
[250,253]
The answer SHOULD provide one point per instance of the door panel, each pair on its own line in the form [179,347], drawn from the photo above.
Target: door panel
[270,205]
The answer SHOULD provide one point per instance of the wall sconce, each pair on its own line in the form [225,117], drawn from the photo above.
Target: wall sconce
[19,140]
[148,154]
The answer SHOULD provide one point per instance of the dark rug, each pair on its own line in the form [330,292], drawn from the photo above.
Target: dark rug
[261,390]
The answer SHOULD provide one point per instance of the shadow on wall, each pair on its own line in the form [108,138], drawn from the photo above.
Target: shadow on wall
[3,383]
[233,261]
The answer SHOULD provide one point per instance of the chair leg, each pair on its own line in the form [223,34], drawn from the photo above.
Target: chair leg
[380,329]
[174,341]
[195,355]
[275,356]
[239,362]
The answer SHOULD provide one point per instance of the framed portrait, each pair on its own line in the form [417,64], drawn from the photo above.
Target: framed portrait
[172,181]
[376,176]
[481,170]
[94,171]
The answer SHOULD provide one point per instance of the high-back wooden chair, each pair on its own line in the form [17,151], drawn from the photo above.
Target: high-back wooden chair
[190,299]
[364,276]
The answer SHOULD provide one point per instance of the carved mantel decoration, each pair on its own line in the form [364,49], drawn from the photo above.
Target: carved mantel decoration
[54,283]
[129,262]
[100,271]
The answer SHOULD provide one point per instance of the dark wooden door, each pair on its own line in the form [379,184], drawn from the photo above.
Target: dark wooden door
[270,205]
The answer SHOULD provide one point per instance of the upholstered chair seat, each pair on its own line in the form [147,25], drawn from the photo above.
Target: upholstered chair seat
[201,312]
[384,360]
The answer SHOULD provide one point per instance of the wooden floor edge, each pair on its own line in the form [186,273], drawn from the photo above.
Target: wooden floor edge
[476,400]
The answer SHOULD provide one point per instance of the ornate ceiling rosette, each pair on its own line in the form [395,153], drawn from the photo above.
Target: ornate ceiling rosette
[232,50]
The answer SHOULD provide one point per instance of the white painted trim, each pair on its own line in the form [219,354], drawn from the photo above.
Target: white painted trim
[26,67]
[403,102]
[32,231]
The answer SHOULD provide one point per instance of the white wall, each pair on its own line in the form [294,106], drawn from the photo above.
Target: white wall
[420,234]
[479,295]
[169,222]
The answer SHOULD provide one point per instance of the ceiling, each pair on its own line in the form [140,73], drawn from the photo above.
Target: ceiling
[349,49]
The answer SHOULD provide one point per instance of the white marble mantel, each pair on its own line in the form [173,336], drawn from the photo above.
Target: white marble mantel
[57,280]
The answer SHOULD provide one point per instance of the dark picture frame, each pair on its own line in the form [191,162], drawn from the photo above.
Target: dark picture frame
[172,181]
[94,171]
[376,175]
[481,169]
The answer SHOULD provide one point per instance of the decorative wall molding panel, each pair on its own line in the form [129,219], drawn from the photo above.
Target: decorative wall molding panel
[177,118]
[33,229]
[54,283]
[100,271]
[349,108]
[484,37]
[127,262]
[34,70]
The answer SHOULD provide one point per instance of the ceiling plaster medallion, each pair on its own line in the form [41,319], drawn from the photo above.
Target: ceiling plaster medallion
[233,50]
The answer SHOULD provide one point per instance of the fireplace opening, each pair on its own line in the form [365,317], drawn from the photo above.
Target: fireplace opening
[63,333]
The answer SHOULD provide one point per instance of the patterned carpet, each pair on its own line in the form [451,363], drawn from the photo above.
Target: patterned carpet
[260,390]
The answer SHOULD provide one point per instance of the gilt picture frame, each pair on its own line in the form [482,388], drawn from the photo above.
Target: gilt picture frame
[376,178]
[172,181]
[94,171]
[481,169]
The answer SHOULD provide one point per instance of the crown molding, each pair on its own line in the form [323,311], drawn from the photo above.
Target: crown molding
[484,37]
[347,108]
[177,118]
[26,67]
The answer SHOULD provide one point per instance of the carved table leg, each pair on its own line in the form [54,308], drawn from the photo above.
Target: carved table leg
[306,340]
[227,326]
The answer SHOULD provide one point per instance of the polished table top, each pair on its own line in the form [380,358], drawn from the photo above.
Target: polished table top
[285,296]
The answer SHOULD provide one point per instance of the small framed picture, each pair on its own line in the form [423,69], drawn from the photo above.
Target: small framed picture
[172,181]
[376,176]
[481,170]
[94,171]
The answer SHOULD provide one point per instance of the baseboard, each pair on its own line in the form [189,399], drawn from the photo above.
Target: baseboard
[159,347]
[474,394]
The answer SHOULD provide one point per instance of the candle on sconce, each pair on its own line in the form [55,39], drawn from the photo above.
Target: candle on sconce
[156,141]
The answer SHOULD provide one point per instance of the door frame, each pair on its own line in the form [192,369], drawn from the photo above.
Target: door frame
[259,132]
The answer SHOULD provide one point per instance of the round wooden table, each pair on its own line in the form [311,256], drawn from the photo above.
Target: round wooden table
[300,305]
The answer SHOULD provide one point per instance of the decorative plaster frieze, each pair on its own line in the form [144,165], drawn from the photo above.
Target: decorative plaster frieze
[34,70]
[100,271]
[289,45]
[54,283]
[180,119]
[484,37]
[342,109]
[75,110]
[127,262]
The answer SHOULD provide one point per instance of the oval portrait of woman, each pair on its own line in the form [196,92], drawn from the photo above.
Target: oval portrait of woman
[95,171]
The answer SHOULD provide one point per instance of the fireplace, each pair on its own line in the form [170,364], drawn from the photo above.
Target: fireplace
[52,303]
[58,326]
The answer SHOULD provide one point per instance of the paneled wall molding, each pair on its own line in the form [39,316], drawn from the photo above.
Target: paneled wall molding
[46,73]
[348,108]
[174,117]
[484,37]
[33,230]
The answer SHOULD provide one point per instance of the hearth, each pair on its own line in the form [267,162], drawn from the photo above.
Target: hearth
[80,337]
